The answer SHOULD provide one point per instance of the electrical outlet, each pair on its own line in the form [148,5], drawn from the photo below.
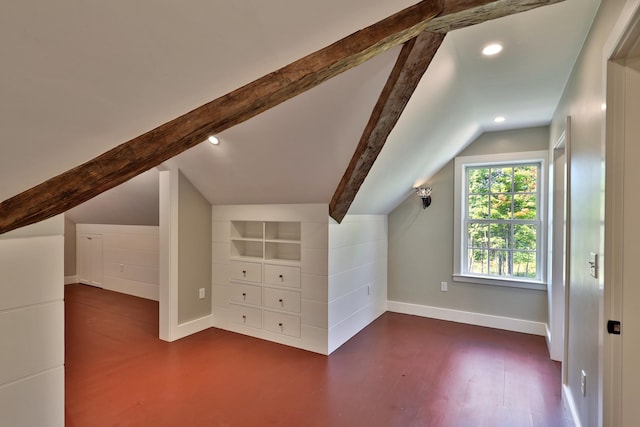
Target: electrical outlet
[443,286]
[583,382]
[201,293]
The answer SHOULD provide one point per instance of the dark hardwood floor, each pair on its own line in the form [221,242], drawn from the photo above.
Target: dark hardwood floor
[400,371]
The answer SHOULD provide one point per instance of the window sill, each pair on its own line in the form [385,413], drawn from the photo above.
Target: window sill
[510,283]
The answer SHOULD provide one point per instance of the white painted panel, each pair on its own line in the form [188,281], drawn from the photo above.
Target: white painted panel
[315,313]
[281,275]
[246,271]
[246,316]
[347,281]
[131,287]
[318,212]
[125,256]
[245,294]
[348,257]
[314,261]
[133,241]
[31,271]
[138,273]
[220,296]
[315,235]
[345,306]
[342,332]
[32,340]
[220,231]
[220,274]
[220,252]
[35,401]
[315,287]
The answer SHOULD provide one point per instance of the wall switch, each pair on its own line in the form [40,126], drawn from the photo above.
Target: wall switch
[583,382]
[593,264]
[443,286]
[201,293]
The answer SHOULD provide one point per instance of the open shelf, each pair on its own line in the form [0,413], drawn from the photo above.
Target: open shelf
[247,230]
[272,240]
[289,231]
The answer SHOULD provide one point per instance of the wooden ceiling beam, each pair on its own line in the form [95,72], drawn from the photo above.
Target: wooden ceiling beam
[76,186]
[409,69]
[412,63]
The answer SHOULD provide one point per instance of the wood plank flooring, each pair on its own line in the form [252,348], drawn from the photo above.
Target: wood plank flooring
[400,371]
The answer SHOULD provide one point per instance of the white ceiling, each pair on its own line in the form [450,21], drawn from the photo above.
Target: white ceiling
[79,78]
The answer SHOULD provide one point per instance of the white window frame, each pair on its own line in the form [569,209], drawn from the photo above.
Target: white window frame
[459,205]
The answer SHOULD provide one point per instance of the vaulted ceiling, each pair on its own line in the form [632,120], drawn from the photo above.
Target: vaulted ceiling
[78,79]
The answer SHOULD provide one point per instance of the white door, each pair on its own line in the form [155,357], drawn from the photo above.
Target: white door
[89,259]
[622,287]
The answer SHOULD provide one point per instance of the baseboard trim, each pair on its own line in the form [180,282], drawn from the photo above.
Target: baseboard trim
[478,319]
[69,280]
[189,328]
[567,398]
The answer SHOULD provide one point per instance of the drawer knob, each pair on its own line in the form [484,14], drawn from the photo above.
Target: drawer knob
[281,325]
[281,277]
[281,301]
[244,272]
[244,295]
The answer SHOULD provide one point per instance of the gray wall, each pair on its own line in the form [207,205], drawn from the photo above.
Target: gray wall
[69,247]
[582,100]
[194,252]
[421,244]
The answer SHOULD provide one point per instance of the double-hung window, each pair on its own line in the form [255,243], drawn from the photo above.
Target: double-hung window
[500,229]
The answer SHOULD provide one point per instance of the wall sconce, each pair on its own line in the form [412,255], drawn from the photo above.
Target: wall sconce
[425,194]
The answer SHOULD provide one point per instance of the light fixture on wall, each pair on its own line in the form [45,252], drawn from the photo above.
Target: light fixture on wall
[213,140]
[425,194]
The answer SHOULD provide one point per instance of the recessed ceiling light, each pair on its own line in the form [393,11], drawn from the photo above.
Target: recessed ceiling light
[499,119]
[492,49]
[212,139]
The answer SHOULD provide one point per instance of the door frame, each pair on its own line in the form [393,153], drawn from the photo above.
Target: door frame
[624,41]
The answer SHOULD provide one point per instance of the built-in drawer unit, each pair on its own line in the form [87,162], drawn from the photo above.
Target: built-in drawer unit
[247,316]
[282,323]
[245,294]
[281,299]
[282,275]
[246,271]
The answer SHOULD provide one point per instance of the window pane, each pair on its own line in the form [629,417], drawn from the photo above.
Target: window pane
[500,236]
[477,261]
[500,206]
[477,235]
[478,180]
[478,207]
[524,237]
[524,206]
[525,179]
[499,263]
[501,180]
[524,264]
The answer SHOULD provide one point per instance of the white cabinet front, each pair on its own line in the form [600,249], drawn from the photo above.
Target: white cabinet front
[246,316]
[281,323]
[246,271]
[245,294]
[281,299]
[281,275]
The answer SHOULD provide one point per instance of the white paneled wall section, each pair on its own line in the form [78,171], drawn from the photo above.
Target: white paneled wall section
[341,269]
[129,259]
[357,270]
[32,325]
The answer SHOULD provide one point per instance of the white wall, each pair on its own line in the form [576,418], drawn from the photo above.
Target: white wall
[582,100]
[32,325]
[357,275]
[421,253]
[130,258]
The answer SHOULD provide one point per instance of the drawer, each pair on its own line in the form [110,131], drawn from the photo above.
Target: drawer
[282,299]
[280,275]
[247,271]
[281,323]
[246,316]
[246,294]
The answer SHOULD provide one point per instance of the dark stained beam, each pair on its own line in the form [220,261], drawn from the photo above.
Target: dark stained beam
[401,84]
[412,63]
[146,151]
[465,13]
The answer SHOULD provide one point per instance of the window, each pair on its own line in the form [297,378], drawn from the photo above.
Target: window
[500,215]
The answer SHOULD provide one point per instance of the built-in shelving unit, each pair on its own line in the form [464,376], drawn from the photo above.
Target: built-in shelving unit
[271,240]
[265,276]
